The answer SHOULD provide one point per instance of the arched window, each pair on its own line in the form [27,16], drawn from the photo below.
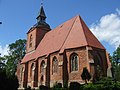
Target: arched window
[30,43]
[31,69]
[74,62]
[55,65]
[42,67]
[97,60]
[98,65]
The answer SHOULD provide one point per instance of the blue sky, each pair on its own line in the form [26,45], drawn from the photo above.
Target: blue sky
[101,16]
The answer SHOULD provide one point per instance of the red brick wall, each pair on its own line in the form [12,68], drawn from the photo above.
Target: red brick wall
[82,54]
[40,32]
[55,77]
[37,35]
[103,60]
[23,79]
[64,74]
[40,60]
[28,48]
[29,72]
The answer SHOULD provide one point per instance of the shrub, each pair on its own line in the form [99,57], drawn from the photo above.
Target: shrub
[116,86]
[107,83]
[85,75]
[90,87]
[105,80]
[28,88]
[42,87]
[57,86]
[74,86]
[65,85]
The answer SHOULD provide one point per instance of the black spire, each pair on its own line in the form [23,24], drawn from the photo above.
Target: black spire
[41,17]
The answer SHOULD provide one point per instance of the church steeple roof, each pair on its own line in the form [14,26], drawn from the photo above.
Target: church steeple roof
[41,17]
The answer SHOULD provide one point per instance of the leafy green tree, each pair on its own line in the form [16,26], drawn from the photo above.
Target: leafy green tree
[85,75]
[111,58]
[15,54]
[115,60]
[8,65]
[116,55]
[2,63]
[117,73]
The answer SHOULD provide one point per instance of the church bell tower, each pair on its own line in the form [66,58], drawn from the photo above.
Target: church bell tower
[37,32]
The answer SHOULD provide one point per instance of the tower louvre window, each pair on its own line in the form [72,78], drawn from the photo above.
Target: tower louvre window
[31,40]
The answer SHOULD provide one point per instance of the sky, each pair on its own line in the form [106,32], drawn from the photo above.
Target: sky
[101,16]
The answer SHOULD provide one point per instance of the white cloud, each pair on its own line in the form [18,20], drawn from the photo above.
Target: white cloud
[4,50]
[108,28]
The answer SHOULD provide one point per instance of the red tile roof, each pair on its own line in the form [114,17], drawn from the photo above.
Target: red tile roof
[28,57]
[54,40]
[71,34]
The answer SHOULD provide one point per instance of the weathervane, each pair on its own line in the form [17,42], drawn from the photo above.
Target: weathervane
[41,2]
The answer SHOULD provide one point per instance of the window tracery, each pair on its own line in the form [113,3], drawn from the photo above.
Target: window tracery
[74,62]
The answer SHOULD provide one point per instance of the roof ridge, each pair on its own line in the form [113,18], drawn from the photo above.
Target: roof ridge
[86,37]
[68,33]
[83,28]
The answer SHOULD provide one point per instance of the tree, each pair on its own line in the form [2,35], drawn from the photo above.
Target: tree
[115,64]
[15,54]
[2,64]
[8,65]
[3,77]
[6,82]
[117,73]
[85,75]
[116,55]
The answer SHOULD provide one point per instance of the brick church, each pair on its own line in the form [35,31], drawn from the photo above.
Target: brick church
[59,55]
